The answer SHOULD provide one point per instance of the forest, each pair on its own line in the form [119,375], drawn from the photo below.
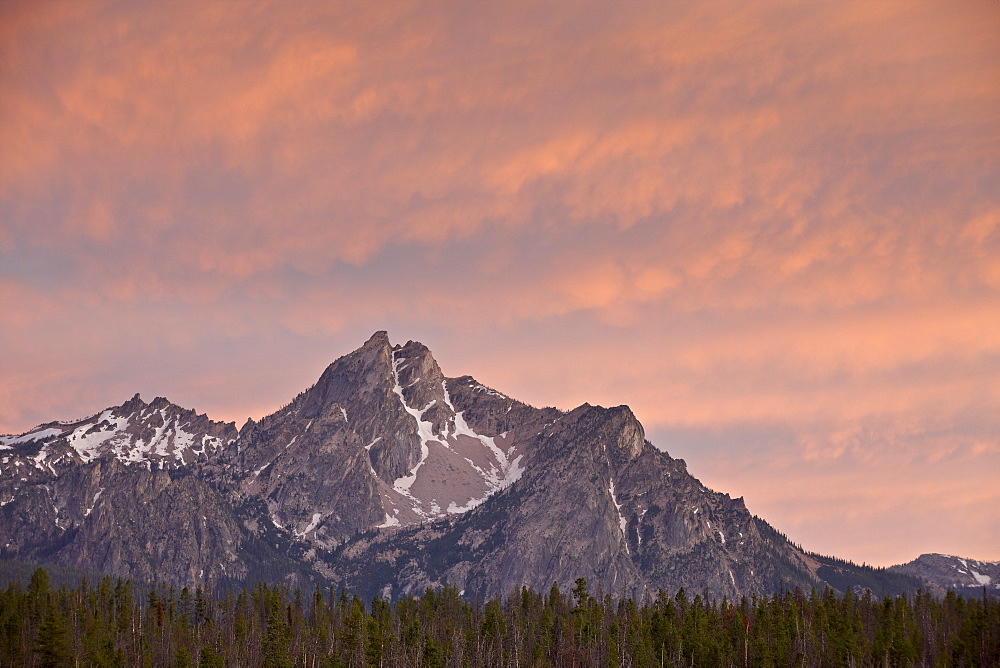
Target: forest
[116,623]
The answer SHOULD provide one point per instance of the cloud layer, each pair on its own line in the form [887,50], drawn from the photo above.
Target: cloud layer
[771,228]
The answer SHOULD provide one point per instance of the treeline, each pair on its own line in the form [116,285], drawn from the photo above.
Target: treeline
[108,625]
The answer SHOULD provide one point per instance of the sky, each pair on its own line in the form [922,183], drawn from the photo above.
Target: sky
[771,228]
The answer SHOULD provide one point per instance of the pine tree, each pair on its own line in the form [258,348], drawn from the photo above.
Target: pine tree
[52,639]
[276,644]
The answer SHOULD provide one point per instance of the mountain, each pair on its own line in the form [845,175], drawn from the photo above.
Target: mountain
[120,493]
[965,576]
[387,477]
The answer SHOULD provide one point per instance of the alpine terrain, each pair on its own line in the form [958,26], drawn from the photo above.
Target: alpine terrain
[386,477]
[965,576]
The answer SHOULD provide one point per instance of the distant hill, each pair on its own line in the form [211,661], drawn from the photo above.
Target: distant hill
[964,576]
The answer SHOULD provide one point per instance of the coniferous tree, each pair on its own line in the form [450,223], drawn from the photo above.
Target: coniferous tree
[52,639]
[270,626]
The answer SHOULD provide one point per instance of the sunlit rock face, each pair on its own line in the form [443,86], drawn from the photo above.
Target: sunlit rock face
[385,477]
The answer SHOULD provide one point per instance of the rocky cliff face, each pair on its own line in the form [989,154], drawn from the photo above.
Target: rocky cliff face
[385,477]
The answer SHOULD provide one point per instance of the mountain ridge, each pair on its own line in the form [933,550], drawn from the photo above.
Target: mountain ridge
[386,477]
[945,572]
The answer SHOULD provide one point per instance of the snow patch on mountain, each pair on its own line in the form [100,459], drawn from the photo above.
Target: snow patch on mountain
[455,509]
[8,442]
[93,502]
[458,468]
[390,521]
[622,522]
[476,387]
[505,472]
[312,525]
[424,430]
[155,432]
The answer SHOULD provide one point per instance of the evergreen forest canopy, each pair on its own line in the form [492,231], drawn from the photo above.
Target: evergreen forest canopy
[110,625]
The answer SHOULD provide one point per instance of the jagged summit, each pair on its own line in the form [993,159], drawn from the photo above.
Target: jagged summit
[158,433]
[413,455]
[385,477]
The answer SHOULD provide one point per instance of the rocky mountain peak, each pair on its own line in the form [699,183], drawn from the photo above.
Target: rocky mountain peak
[361,377]
[160,403]
[368,377]
[130,407]
[133,433]
[622,432]
[379,339]
[387,477]
[420,384]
